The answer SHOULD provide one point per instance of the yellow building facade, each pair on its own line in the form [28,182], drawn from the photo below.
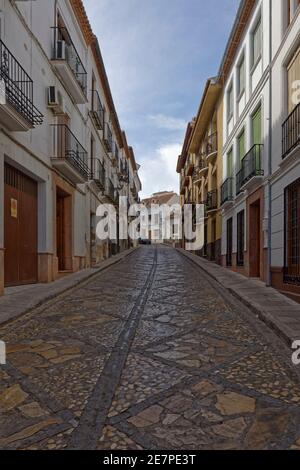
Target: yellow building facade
[200,166]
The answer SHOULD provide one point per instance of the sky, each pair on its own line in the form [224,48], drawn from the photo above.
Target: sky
[158,55]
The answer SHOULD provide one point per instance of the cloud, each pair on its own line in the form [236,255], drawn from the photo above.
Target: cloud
[158,172]
[167,122]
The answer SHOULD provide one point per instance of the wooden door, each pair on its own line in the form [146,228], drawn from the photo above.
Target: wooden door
[60,235]
[20,228]
[254,239]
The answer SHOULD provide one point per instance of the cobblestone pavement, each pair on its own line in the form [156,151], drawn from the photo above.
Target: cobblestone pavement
[149,354]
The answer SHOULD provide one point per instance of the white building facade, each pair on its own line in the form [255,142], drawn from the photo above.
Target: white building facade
[246,142]
[62,152]
[285,162]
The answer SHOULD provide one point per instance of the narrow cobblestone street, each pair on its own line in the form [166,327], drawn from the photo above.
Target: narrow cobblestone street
[148,354]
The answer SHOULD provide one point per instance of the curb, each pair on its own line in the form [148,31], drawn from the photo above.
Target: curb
[263,315]
[64,289]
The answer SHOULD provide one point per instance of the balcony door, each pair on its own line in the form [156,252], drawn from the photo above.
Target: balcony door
[64,230]
[257,138]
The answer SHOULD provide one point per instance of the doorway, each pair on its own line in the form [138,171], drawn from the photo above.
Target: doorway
[64,230]
[20,228]
[254,239]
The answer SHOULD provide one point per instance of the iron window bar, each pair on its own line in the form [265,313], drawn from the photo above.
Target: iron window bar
[291,132]
[69,148]
[291,270]
[71,55]
[18,87]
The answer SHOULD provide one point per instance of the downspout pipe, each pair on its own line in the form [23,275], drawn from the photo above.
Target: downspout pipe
[269,276]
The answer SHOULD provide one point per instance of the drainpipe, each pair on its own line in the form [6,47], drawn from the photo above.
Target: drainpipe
[269,277]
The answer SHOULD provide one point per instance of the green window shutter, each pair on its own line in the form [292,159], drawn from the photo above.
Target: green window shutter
[230,164]
[256,127]
[256,44]
[241,144]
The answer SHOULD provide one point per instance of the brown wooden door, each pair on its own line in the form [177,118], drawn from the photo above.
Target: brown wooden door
[60,235]
[20,228]
[254,240]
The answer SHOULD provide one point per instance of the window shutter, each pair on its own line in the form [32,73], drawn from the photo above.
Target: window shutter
[256,127]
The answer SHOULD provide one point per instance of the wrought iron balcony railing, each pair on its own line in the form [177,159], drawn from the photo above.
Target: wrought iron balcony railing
[108,140]
[227,190]
[64,49]
[70,149]
[251,166]
[97,111]
[291,132]
[212,200]
[18,91]
[98,173]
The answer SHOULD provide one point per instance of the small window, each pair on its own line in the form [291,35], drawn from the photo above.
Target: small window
[241,77]
[230,103]
[256,44]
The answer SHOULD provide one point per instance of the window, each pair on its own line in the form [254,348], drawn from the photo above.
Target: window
[241,77]
[291,7]
[292,235]
[241,146]
[256,44]
[256,127]
[230,103]
[293,71]
[240,238]
[229,243]
[230,164]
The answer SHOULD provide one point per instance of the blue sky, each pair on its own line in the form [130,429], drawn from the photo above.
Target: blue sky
[158,55]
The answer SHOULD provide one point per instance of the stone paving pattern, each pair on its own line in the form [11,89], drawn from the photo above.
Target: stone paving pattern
[149,354]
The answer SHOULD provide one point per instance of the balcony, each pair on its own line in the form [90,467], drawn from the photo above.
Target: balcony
[108,140]
[70,156]
[227,192]
[190,166]
[97,111]
[202,167]
[68,64]
[17,112]
[291,132]
[212,200]
[98,173]
[212,148]
[111,192]
[251,171]
[123,173]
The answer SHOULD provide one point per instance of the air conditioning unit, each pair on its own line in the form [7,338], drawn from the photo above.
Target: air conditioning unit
[61,50]
[55,100]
